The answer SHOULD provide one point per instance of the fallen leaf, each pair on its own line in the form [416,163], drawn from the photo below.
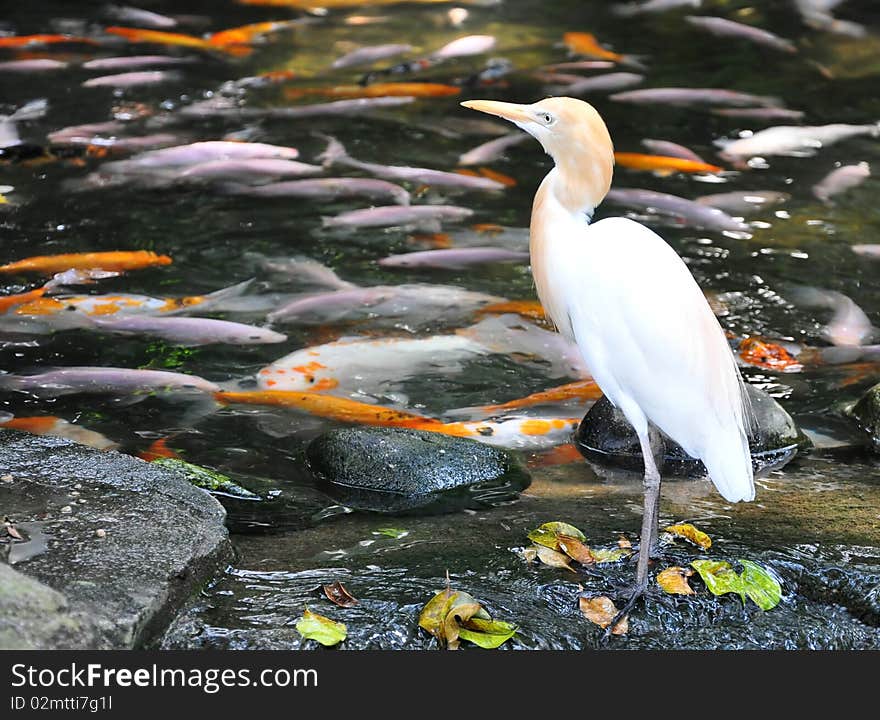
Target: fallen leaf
[691,534]
[602,555]
[11,530]
[553,558]
[719,577]
[322,629]
[548,534]
[488,634]
[205,478]
[760,585]
[446,612]
[576,550]
[674,580]
[395,533]
[600,610]
[336,593]
[530,554]
[622,542]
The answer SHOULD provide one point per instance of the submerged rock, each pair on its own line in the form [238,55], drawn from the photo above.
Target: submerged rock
[867,413]
[606,436]
[395,470]
[111,546]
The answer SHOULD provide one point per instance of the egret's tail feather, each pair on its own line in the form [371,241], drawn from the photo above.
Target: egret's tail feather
[729,463]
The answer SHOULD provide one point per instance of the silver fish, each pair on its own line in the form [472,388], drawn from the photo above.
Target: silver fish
[848,326]
[250,170]
[135,62]
[137,16]
[460,127]
[335,154]
[200,152]
[840,180]
[304,270]
[427,216]
[32,110]
[230,107]
[792,140]
[870,250]
[465,46]
[34,65]
[581,65]
[133,79]
[760,113]
[104,381]
[695,96]
[744,202]
[416,303]
[721,27]
[189,331]
[682,210]
[85,134]
[370,54]
[671,149]
[453,258]
[492,150]
[817,14]
[651,6]
[325,189]
[601,83]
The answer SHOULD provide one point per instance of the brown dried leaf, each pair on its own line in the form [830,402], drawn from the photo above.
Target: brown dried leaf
[530,554]
[576,550]
[11,530]
[623,543]
[600,610]
[674,580]
[553,558]
[336,593]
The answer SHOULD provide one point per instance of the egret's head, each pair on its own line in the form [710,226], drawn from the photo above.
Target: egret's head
[571,132]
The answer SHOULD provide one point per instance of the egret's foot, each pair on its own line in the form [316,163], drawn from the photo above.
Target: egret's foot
[637,592]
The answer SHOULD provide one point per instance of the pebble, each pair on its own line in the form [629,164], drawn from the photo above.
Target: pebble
[67,509]
[100,533]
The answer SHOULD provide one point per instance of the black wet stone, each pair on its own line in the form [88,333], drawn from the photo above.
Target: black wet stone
[605,436]
[70,586]
[867,413]
[398,470]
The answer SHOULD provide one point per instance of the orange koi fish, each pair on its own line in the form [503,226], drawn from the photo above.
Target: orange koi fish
[512,432]
[531,309]
[246,34]
[401,89]
[329,406]
[11,301]
[489,173]
[114,261]
[158,449]
[21,41]
[582,389]
[559,455]
[586,44]
[768,355]
[662,163]
[58,427]
[159,37]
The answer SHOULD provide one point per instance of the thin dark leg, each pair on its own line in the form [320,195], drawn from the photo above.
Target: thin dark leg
[650,531]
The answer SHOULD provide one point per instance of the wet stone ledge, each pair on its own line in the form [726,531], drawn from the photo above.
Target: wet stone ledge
[111,547]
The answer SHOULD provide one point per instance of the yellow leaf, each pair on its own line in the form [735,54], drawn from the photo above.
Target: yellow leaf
[674,580]
[548,534]
[317,627]
[601,611]
[553,558]
[603,555]
[691,534]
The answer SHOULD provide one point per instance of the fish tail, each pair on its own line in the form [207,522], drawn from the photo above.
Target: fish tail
[225,293]
[12,382]
[633,61]
[335,152]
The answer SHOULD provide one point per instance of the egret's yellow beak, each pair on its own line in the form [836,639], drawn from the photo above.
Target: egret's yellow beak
[509,111]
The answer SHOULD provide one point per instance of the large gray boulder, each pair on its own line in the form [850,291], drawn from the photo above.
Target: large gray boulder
[113,546]
[396,470]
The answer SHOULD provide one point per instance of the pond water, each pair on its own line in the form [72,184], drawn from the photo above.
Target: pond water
[293,540]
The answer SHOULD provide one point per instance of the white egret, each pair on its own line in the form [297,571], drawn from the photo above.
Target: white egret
[627,299]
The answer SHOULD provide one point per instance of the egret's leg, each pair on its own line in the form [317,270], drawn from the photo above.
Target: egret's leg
[650,515]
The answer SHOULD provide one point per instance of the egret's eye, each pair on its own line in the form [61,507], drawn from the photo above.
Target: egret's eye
[547,118]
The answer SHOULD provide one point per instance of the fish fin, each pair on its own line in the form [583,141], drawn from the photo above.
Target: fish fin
[32,110]
[334,153]
[633,61]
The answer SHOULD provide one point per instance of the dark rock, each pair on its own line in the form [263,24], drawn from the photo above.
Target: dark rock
[867,413]
[161,540]
[394,470]
[606,436]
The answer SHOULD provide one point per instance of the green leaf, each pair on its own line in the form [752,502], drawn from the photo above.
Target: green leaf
[395,533]
[548,534]
[603,555]
[760,585]
[719,577]
[317,627]
[205,478]
[488,634]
